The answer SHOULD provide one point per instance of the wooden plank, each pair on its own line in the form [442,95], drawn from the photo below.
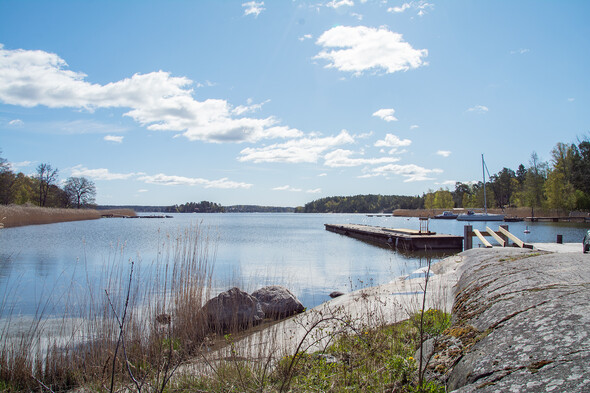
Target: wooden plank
[481,238]
[496,236]
[510,236]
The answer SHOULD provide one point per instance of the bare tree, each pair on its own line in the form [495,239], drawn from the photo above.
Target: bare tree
[47,177]
[80,190]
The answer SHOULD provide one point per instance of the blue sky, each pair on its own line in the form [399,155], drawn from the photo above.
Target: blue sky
[283,102]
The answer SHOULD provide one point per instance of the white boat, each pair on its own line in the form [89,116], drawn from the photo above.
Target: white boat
[485,216]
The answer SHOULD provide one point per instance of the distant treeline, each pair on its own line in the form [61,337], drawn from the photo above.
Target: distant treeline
[362,204]
[203,207]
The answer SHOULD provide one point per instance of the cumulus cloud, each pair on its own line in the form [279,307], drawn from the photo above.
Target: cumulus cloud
[342,158]
[393,141]
[155,100]
[301,150]
[161,179]
[386,114]
[171,180]
[113,138]
[478,109]
[340,3]
[358,49]
[410,172]
[100,173]
[443,153]
[253,8]
[305,37]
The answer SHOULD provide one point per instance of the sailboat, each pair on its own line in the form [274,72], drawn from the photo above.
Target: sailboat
[485,216]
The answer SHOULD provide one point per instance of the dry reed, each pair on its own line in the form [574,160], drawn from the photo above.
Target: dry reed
[131,330]
[20,215]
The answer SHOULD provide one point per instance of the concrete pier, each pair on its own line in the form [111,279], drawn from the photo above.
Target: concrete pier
[403,239]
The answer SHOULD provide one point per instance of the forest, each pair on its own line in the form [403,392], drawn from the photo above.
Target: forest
[562,184]
[44,188]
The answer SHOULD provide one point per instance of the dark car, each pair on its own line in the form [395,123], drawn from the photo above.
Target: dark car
[586,242]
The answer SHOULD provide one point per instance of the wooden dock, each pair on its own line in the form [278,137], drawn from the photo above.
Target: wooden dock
[403,239]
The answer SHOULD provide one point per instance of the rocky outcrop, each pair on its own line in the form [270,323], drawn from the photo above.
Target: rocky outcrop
[277,301]
[232,310]
[521,322]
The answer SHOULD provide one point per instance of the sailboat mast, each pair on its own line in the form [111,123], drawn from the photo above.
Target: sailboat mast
[485,200]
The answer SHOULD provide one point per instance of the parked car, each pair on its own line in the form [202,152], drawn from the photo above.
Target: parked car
[586,242]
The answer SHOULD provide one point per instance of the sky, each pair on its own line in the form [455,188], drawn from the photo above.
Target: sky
[283,102]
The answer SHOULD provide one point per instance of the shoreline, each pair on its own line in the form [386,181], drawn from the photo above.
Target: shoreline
[19,215]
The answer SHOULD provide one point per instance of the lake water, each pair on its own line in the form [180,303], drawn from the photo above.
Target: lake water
[251,251]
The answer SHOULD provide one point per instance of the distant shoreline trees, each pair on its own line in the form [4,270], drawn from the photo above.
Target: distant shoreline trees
[563,184]
[42,188]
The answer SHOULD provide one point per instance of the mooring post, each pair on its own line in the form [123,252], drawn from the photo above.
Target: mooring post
[467,240]
[504,237]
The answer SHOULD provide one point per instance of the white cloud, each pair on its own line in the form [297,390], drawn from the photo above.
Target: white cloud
[399,9]
[253,8]
[305,37]
[287,188]
[250,107]
[161,179]
[361,48]
[421,6]
[314,191]
[356,15]
[341,158]
[322,174]
[155,100]
[447,183]
[520,51]
[478,109]
[142,190]
[414,126]
[113,138]
[411,172]
[339,3]
[443,153]
[100,173]
[295,151]
[16,123]
[386,114]
[392,141]
[15,166]
[171,180]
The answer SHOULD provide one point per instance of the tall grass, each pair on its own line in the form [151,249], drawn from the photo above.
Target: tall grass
[19,215]
[131,330]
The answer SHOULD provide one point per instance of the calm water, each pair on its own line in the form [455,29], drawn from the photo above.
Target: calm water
[252,250]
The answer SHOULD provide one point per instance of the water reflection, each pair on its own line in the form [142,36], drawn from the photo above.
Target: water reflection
[249,251]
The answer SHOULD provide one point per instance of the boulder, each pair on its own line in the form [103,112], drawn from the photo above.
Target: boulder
[336,294]
[277,301]
[520,324]
[233,310]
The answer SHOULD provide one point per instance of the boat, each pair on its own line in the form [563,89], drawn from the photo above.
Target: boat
[473,216]
[485,216]
[446,215]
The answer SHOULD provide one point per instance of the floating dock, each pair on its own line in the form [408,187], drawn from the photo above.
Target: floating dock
[404,239]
